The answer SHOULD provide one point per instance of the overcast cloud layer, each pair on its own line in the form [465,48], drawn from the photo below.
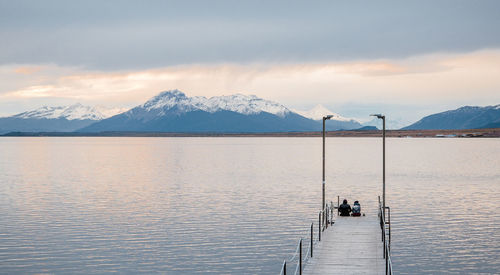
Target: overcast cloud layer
[111,35]
[406,59]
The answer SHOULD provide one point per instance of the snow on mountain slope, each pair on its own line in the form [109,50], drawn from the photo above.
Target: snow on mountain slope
[244,104]
[319,111]
[391,124]
[173,111]
[238,103]
[74,112]
[109,112]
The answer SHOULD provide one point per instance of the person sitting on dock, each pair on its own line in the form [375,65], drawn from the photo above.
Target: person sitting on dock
[344,208]
[356,209]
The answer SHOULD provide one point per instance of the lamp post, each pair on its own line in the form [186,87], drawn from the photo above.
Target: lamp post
[380,116]
[323,202]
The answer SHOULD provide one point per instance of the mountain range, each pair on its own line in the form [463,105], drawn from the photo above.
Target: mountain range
[173,111]
[468,117]
[56,119]
[319,111]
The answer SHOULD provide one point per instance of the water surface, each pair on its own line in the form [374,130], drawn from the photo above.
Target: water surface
[238,205]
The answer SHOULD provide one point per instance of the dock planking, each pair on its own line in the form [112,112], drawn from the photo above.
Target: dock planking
[353,245]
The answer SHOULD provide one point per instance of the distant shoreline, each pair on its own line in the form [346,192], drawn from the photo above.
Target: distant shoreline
[468,133]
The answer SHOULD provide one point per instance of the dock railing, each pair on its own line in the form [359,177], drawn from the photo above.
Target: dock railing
[385,227]
[325,219]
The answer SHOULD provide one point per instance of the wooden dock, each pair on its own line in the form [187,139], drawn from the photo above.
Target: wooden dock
[353,245]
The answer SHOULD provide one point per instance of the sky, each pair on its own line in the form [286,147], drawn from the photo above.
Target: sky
[406,59]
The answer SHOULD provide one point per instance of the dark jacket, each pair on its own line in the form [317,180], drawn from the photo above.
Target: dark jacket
[344,209]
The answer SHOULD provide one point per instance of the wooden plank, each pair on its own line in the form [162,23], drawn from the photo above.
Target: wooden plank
[352,245]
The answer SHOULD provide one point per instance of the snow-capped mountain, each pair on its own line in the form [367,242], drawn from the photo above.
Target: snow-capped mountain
[75,111]
[173,111]
[243,104]
[56,119]
[337,122]
[390,124]
[319,111]
[109,111]
[468,117]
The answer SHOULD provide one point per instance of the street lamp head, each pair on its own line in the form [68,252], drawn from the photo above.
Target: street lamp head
[327,117]
[378,116]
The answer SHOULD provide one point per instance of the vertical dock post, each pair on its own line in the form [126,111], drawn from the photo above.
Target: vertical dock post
[326,217]
[389,221]
[319,226]
[300,257]
[331,212]
[312,243]
[382,226]
[386,262]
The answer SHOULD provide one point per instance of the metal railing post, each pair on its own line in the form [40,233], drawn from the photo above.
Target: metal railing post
[386,261]
[326,216]
[384,229]
[312,240]
[284,267]
[319,226]
[385,248]
[331,212]
[300,257]
[380,221]
[389,221]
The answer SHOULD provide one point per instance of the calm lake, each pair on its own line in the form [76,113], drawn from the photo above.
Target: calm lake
[238,205]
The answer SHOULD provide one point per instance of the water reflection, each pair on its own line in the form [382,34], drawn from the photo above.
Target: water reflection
[237,205]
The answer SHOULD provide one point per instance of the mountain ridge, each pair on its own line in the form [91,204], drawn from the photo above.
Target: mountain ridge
[466,117]
[71,112]
[57,119]
[319,111]
[173,111]
[239,103]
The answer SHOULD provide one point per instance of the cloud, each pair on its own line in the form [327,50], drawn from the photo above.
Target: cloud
[37,91]
[455,78]
[126,35]
[27,70]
